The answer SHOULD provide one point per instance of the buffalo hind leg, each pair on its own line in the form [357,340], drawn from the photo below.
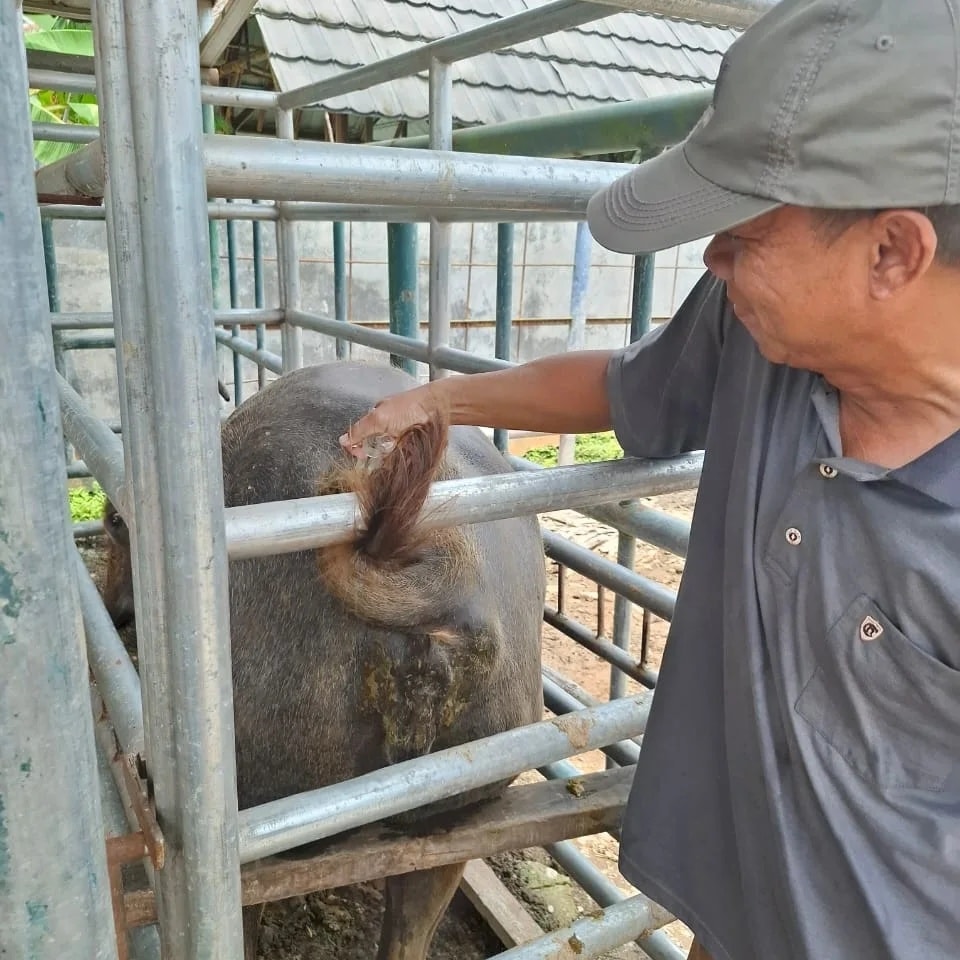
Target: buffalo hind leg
[251,930]
[415,902]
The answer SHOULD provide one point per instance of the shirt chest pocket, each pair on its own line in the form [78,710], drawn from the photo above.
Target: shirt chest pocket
[890,710]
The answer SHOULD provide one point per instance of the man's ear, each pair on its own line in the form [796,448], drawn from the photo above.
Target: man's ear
[904,246]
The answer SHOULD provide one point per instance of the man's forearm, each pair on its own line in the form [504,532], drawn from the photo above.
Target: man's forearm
[566,393]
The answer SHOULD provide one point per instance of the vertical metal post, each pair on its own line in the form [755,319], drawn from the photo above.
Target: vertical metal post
[640,310]
[292,338]
[622,614]
[340,282]
[258,299]
[50,266]
[641,306]
[148,87]
[504,328]
[402,266]
[441,138]
[209,126]
[234,303]
[578,318]
[53,300]
[54,887]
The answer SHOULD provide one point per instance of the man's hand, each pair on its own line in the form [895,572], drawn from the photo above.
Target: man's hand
[391,417]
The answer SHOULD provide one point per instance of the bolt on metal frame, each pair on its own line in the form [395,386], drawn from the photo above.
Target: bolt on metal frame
[154,191]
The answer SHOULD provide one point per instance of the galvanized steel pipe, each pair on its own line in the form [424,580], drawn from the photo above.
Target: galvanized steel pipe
[594,936]
[717,13]
[642,591]
[653,526]
[283,824]
[54,887]
[101,449]
[649,124]
[245,348]
[149,94]
[116,676]
[440,83]
[288,259]
[286,526]
[238,167]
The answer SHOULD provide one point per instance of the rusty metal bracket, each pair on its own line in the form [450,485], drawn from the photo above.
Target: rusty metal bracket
[128,848]
[139,793]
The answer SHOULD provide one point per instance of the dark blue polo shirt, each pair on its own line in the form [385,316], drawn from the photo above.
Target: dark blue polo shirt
[798,791]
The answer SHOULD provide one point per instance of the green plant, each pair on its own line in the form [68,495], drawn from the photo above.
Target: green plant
[588,448]
[59,35]
[86,503]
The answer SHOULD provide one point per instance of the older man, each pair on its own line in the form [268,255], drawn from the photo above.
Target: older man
[798,792]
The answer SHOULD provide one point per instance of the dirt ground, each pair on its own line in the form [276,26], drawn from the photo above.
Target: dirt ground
[343,924]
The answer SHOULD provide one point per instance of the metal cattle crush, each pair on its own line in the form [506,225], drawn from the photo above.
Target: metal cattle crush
[165,732]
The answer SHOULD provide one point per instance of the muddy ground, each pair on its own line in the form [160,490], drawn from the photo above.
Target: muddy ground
[343,924]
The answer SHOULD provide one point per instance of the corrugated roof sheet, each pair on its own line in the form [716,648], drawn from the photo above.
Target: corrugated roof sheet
[627,56]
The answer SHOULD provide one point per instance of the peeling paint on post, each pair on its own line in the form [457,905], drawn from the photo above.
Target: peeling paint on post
[4,850]
[54,895]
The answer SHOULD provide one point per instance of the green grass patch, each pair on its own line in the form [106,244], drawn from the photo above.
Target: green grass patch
[86,503]
[588,448]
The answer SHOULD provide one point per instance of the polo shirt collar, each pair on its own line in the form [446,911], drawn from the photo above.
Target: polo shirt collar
[935,473]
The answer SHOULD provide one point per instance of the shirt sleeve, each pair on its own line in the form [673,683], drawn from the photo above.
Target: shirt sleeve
[661,387]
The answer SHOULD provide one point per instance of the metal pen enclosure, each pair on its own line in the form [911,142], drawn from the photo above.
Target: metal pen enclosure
[155,173]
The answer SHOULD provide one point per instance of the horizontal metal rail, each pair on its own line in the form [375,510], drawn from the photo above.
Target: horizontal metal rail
[505,32]
[283,824]
[653,526]
[716,13]
[447,358]
[419,213]
[637,589]
[649,124]
[378,339]
[624,753]
[60,80]
[613,655]
[103,320]
[216,210]
[72,211]
[245,348]
[240,167]
[361,174]
[594,936]
[657,945]
[287,526]
[86,528]
[65,132]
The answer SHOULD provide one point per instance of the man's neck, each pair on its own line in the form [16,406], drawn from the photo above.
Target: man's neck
[900,392]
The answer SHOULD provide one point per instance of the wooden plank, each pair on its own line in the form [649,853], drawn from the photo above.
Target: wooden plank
[227,19]
[529,815]
[503,912]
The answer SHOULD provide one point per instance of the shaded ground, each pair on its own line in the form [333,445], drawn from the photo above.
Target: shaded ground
[343,924]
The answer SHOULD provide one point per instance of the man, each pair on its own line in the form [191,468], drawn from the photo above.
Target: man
[798,792]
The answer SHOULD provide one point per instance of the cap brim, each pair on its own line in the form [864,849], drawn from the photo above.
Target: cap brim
[664,202]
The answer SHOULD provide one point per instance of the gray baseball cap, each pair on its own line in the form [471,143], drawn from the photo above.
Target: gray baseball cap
[850,104]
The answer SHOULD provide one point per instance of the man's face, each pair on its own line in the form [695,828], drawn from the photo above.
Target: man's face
[800,293]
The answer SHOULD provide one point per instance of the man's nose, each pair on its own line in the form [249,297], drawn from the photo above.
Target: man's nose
[718,257]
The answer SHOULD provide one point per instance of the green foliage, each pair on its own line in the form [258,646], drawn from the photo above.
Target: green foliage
[86,503]
[588,448]
[58,35]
